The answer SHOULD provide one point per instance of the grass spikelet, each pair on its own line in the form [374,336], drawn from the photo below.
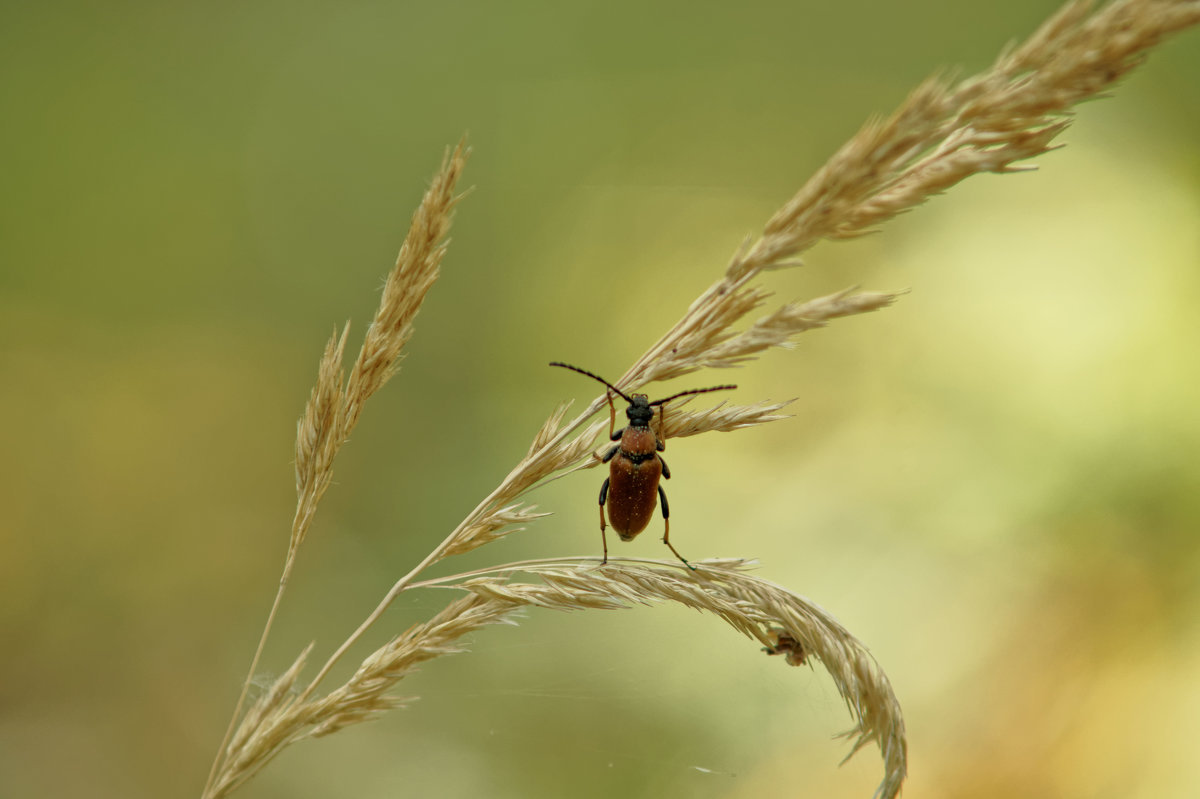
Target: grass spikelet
[548,429]
[722,418]
[365,695]
[778,328]
[407,284]
[492,527]
[319,435]
[261,735]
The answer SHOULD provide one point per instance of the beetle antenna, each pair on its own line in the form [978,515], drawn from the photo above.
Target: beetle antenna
[692,391]
[621,393]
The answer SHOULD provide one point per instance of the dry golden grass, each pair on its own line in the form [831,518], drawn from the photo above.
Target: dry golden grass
[943,133]
[336,402]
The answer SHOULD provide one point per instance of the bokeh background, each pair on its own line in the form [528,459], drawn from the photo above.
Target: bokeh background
[993,483]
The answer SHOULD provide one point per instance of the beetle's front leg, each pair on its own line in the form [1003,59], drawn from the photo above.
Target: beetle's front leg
[608,456]
[612,415]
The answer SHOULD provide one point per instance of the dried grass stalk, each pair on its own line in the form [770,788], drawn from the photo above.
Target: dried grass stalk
[943,133]
[336,403]
[754,607]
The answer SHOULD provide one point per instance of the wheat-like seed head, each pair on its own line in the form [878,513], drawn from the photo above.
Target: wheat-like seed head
[942,133]
[319,436]
[407,284]
[336,402]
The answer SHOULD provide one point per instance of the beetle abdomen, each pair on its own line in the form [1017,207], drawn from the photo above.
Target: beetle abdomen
[632,493]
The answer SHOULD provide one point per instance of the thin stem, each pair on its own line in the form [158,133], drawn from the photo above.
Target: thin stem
[262,644]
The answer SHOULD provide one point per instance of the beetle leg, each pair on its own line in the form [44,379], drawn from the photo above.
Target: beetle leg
[603,537]
[612,415]
[666,474]
[660,441]
[613,433]
[611,453]
[666,512]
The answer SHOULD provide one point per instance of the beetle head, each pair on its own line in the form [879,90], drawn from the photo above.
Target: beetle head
[639,411]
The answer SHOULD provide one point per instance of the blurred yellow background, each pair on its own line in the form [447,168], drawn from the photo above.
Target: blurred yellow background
[994,483]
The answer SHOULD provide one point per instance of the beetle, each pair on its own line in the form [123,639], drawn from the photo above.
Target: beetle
[632,488]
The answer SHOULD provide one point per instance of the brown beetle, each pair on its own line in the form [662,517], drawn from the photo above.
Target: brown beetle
[632,488]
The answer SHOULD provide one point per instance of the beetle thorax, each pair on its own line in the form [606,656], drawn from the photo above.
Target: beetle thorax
[639,411]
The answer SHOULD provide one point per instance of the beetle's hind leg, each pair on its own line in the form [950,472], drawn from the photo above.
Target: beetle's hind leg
[603,537]
[666,512]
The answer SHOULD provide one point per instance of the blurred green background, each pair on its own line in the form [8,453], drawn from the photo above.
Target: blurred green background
[993,484]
